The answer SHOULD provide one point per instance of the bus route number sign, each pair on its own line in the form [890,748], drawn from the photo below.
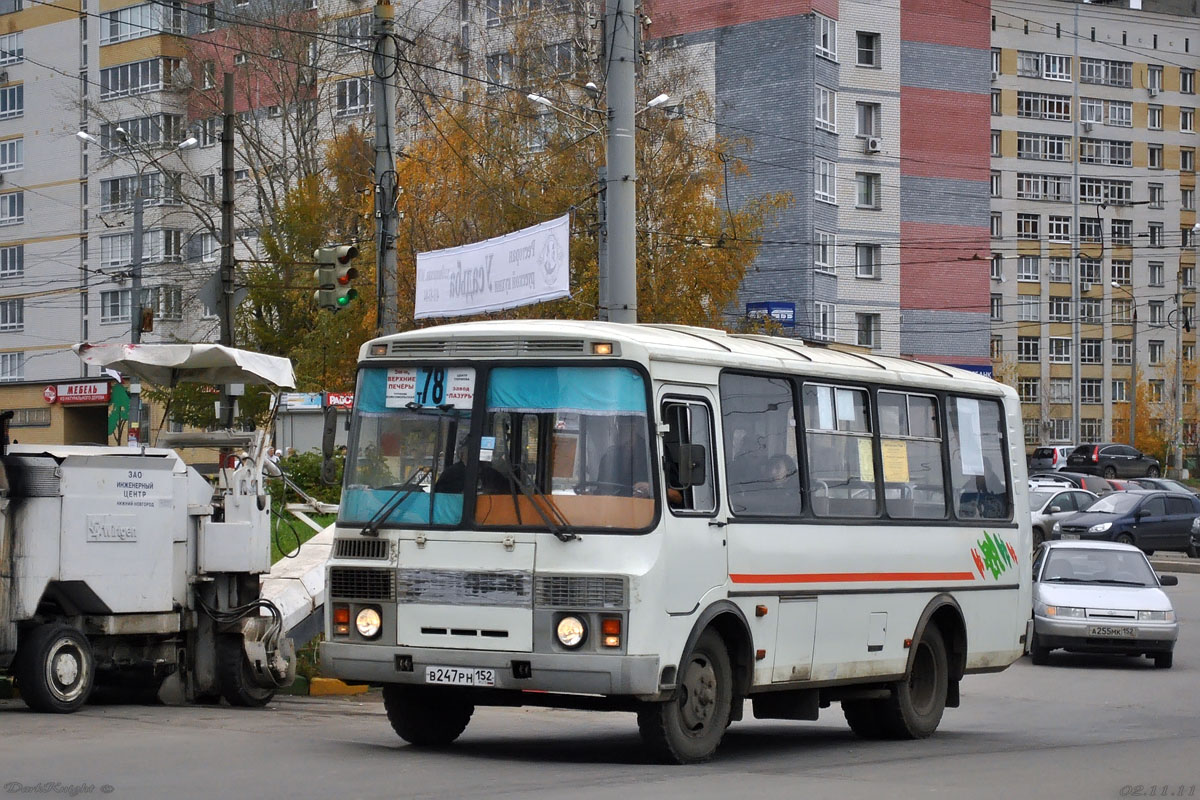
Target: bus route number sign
[430,387]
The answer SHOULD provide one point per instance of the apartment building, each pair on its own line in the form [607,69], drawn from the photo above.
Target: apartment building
[1093,203]
[872,116]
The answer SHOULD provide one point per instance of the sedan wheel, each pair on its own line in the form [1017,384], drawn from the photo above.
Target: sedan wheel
[1152,472]
[1110,472]
[1124,538]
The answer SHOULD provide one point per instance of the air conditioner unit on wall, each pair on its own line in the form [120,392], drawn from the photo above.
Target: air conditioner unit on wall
[1087,127]
[1153,91]
[995,75]
[873,144]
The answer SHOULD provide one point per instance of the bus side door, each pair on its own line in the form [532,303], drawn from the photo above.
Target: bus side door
[693,548]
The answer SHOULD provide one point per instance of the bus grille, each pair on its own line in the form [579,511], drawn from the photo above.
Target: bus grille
[581,591]
[455,588]
[360,548]
[355,583]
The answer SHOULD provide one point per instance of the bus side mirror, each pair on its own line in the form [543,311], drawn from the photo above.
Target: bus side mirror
[328,440]
[687,464]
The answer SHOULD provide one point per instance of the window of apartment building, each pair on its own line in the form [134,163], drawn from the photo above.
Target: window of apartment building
[210,247]
[996,183]
[1091,391]
[825,185]
[12,366]
[1154,77]
[1060,390]
[1122,231]
[1091,430]
[867,260]
[997,308]
[138,77]
[1122,271]
[1060,270]
[868,330]
[1029,349]
[354,33]
[997,225]
[1028,226]
[1029,64]
[1157,317]
[1187,81]
[997,347]
[1090,229]
[996,144]
[157,188]
[499,71]
[824,325]
[1029,269]
[1122,311]
[1033,430]
[1043,147]
[826,37]
[12,155]
[1029,389]
[868,119]
[12,261]
[1029,308]
[1189,352]
[867,186]
[996,104]
[1156,194]
[134,22]
[353,97]
[1187,199]
[997,266]
[12,208]
[1187,159]
[1189,277]
[826,108]
[239,59]
[1187,120]
[1060,309]
[1156,273]
[12,315]
[996,60]
[148,131]
[1120,114]
[210,131]
[210,17]
[1156,391]
[1154,156]
[1155,231]
[1122,351]
[1058,229]
[869,54]
[1154,118]
[114,306]
[165,301]
[824,251]
[1089,273]
[1106,151]
[1107,73]
[12,101]
[1043,187]
[1091,109]
[1032,105]
[1105,191]
[1120,390]
[1091,351]
[1056,67]
[1090,310]
[12,49]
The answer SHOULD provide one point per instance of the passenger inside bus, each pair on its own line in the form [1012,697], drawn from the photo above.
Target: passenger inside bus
[625,467]
[453,479]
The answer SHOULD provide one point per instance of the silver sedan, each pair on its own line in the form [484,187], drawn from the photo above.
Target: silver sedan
[1100,597]
[1048,505]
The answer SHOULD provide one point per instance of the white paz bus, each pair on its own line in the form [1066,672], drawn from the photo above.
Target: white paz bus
[673,521]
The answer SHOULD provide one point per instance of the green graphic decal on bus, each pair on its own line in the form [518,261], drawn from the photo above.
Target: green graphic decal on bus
[994,555]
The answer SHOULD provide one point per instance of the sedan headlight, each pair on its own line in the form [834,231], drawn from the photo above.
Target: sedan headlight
[368,623]
[571,632]
[1100,527]
[1156,616]
[1066,611]
[1057,527]
[1195,524]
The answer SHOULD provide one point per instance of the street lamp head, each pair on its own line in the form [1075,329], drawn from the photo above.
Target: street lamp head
[592,90]
[1116,285]
[122,133]
[84,136]
[540,100]
[658,101]
[190,141]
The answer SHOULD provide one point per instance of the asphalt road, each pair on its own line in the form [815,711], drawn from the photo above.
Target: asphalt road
[1082,727]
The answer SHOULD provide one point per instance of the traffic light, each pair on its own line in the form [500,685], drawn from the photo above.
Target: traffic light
[334,276]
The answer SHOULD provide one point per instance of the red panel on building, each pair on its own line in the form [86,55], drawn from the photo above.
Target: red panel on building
[959,23]
[945,134]
[945,267]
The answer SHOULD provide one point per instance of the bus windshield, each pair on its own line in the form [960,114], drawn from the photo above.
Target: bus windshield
[557,448]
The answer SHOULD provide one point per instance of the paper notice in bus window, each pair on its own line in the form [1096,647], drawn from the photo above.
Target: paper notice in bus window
[825,409]
[845,405]
[895,460]
[401,387]
[866,464]
[970,440]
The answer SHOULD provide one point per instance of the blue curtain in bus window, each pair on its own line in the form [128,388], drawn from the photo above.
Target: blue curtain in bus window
[588,390]
[372,384]
[360,505]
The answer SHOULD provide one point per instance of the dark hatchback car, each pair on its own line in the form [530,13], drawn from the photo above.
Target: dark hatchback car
[1163,484]
[1113,461]
[1151,520]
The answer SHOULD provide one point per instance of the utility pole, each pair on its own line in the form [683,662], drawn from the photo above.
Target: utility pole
[602,247]
[1179,373]
[135,309]
[383,95]
[620,27]
[227,264]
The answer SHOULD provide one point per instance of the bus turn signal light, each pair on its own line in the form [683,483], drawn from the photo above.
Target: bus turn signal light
[611,628]
[341,620]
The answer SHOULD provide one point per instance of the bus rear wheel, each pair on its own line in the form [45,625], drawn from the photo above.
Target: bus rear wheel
[917,702]
[688,728]
[424,717]
[865,718]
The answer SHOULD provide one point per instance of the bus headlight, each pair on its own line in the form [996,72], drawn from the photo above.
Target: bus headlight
[368,623]
[571,632]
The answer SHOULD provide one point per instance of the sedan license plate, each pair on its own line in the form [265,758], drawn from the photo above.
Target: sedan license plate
[1070,536]
[461,676]
[1117,631]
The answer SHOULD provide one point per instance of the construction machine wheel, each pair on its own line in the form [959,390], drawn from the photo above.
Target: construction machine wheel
[55,669]
[235,676]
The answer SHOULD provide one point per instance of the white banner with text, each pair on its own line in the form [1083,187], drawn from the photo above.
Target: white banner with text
[528,266]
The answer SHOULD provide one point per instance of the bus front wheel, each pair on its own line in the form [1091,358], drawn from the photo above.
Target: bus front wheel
[688,728]
[917,702]
[425,717]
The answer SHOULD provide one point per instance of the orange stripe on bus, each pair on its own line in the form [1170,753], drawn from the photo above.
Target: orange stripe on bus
[854,577]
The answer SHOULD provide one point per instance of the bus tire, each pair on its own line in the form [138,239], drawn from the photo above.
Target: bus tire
[688,728]
[865,718]
[55,669]
[425,718]
[1038,653]
[917,702]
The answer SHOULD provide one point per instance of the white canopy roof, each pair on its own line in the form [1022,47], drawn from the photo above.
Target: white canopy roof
[169,364]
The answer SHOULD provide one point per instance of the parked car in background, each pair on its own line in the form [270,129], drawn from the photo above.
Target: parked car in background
[1048,505]
[1113,461]
[1100,597]
[1163,484]
[1119,485]
[1050,458]
[1093,483]
[1151,520]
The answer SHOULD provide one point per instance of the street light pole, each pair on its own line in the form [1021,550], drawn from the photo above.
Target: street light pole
[1133,380]
[620,24]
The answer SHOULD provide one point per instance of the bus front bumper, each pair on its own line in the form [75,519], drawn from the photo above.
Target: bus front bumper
[575,673]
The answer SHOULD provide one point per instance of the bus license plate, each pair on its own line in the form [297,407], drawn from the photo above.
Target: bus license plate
[461,676]
[1119,631]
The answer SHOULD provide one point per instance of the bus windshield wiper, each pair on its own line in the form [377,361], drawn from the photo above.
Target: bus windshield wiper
[402,492]
[534,494]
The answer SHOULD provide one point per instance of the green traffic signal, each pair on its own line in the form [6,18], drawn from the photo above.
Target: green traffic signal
[334,275]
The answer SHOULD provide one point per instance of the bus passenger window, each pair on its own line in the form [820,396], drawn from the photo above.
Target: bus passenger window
[841,466]
[976,436]
[913,484]
[688,423]
[759,425]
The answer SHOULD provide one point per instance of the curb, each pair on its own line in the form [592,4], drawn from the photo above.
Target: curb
[330,687]
[1176,565]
